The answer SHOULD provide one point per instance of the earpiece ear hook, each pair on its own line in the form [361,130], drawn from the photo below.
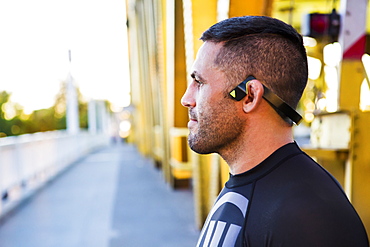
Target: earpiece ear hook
[240,91]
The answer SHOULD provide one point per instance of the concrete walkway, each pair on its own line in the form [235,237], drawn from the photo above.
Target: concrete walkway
[111,198]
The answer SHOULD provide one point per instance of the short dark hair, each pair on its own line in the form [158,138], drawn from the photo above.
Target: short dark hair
[265,47]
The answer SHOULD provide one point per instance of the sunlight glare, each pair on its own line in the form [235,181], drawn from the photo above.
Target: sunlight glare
[40,33]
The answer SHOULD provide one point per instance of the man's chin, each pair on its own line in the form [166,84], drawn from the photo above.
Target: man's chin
[198,147]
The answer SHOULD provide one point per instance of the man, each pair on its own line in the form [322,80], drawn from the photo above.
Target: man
[247,79]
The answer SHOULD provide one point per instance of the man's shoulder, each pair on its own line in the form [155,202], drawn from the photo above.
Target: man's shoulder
[300,202]
[297,185]
[300,172]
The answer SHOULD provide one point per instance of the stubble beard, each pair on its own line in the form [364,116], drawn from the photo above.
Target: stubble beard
[215,132]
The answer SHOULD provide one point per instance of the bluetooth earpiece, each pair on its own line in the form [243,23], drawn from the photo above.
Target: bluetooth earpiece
[240,91]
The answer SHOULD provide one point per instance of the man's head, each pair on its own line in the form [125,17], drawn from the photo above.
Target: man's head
[233,49]
[267,48]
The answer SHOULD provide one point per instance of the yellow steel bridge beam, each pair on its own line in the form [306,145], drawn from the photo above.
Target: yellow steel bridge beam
[352,75]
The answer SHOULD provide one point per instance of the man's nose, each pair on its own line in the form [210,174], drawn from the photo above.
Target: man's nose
[188,99]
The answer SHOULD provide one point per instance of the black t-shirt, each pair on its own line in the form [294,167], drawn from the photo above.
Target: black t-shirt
[287,200]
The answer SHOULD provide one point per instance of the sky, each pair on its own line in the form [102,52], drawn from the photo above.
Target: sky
[36,37]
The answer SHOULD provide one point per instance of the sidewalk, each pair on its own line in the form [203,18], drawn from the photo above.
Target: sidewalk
[111,198]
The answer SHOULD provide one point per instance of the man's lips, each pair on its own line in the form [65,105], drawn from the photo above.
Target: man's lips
[192,116]
[192,119]
[192,123]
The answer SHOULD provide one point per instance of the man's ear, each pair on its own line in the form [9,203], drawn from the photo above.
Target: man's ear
[254,96]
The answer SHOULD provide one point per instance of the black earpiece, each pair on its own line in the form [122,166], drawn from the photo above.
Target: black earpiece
[240,91]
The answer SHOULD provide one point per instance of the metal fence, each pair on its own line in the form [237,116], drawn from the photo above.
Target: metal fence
[29,161]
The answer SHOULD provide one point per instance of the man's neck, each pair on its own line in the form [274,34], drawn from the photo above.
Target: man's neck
[255,147]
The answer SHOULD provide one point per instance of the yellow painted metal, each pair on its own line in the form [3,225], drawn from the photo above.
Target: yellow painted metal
[136,88]
[352,76]
[158,35]
[251,7]
[148,48]
[158,149]
[344,146]
[159,80]
[181,167]
[358,171]
[157,38]
[360,154]
[180,112]
[201,186]
[328,153]
[165,66]
[224,169]
[344,152]
[215,176]
[151,91]
[204,13]
[179,141]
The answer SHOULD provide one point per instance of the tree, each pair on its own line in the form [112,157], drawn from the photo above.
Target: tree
[53,118]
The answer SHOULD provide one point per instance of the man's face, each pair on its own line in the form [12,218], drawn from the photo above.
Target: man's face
[214,123]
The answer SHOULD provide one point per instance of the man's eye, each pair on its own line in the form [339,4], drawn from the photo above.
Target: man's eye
[197,81]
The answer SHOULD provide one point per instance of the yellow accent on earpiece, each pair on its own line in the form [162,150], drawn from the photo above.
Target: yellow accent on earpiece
[246,87]
[232,93]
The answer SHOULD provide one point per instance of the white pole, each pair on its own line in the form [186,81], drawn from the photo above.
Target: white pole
[92,116]
[73,124]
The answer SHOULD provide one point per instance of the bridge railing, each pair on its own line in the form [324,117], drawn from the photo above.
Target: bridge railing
[29,161]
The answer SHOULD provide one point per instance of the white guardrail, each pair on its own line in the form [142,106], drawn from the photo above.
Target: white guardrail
[29,161]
